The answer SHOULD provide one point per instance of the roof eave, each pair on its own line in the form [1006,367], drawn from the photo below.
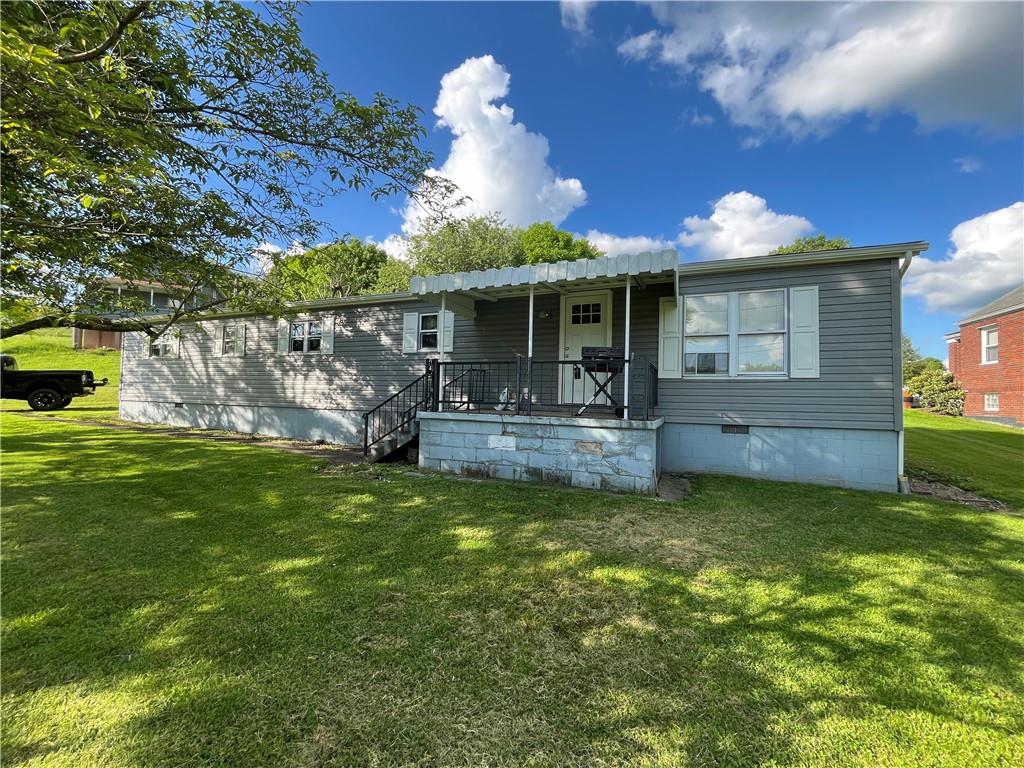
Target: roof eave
[810,258]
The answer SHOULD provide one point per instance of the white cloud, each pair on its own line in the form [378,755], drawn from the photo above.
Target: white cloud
[986,261]
[614,245]
[576,15]
[695,117]
[741,224]
[498,164]
[801,67]
[395,246]
[967,164]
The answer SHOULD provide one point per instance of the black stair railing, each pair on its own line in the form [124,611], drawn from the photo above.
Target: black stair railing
[397,411]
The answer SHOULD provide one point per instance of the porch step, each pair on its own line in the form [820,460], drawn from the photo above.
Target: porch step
[390,445]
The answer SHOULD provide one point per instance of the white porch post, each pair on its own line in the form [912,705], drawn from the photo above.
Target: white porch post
[440,328]
[625,385]
[529,342]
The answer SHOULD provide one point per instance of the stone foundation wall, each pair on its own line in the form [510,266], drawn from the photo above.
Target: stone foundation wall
[608,454]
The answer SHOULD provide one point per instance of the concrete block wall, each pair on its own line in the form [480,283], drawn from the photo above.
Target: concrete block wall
[853,458]
[609,454]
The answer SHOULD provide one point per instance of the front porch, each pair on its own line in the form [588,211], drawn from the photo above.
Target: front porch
[607,454]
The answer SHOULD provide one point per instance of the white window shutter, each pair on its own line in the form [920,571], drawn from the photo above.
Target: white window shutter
[670,343]
[410,332]
[449,331]
[178,346]
[283,326]
[803,333]
[242,331]
[327,335]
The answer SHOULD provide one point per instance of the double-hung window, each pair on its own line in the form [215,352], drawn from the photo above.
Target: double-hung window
[162,346]
[305,336]
[761,335]
[735,334]
[989,345]
[428,332]
[230,340]
[706,348]
[991,401]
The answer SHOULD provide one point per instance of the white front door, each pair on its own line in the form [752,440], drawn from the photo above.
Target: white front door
[586,322]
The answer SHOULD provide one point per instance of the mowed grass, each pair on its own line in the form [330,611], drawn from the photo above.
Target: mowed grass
[982,457]
[50,349]
[173,602]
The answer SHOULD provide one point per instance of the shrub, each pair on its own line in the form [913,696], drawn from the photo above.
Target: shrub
[939,391]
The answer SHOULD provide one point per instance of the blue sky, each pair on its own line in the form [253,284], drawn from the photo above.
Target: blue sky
[680,126]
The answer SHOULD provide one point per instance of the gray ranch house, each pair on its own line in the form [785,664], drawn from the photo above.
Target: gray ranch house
[600,373]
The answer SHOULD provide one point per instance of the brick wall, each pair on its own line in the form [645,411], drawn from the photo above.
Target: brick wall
[1005,378]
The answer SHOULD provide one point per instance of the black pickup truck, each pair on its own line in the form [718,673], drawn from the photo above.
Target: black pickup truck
[45,390]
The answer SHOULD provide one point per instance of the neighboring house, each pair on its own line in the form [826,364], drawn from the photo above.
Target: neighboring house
[987,357]
[154,295]
[784,367]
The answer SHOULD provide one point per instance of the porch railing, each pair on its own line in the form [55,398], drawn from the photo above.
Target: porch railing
[399,410]
[565,387]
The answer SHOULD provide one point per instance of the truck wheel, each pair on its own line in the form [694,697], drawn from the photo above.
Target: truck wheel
[66,401]
[45,399]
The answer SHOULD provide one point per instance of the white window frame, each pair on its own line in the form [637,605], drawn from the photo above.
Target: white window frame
[166,345]
[436,331]
[784,333]
[985,346]
[306,336]
[733,334]
[236,341]
[995,397]
[728,340]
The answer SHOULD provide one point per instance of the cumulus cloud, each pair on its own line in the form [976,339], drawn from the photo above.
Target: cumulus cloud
[496,162]
[802,67]
[576,15]
[740,224]
[615,245]
[967,164]
[986,261]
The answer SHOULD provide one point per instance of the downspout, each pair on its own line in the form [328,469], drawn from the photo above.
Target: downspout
[629,363]
[909,257]
[902,483]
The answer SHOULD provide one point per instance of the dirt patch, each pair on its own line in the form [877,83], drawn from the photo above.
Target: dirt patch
[933,489]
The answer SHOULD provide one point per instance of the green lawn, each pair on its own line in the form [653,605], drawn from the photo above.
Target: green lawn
[51,349]
[179,602]
[982,457]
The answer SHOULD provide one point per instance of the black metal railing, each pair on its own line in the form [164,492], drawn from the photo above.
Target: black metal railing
[562,387]
[521,386]
[649,389]
[400,409]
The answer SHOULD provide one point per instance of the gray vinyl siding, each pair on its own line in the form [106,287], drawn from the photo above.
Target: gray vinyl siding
[366,366]
[859,356]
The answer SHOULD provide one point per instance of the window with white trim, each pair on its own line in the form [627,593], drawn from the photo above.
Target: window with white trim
[762,332]
[991,401]
[305,336]
[706,335]
[230,340]
[162,346]
[428,332]
[735,334]
[990,345]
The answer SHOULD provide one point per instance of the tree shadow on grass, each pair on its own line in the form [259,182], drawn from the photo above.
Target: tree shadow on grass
[252,610]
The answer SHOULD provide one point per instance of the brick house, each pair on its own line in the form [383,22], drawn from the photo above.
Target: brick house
[987,357]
